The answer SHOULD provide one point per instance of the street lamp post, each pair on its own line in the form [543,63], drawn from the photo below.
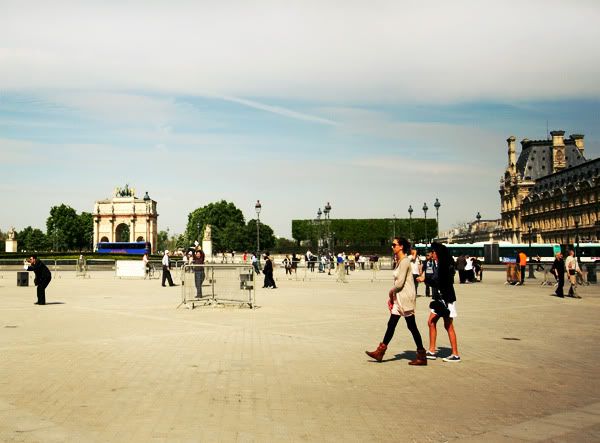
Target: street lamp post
[565,203]
[478,217]
[425,208]
[576,236]
[529,230]
[327,210]
[258,207]
[410,211]
[394,225]
[437,205]
[319,213]
[199,234]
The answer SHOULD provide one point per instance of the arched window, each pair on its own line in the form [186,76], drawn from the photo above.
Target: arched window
[104,239]
[140,238]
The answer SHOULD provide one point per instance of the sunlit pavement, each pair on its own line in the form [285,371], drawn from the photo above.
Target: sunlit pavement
[114,360]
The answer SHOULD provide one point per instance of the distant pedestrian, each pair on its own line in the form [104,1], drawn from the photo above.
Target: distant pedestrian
[254,261]
[416,268]
[42,279]
[166,269]
[402,303]
[558,269]
[572,269]
[461,263]
[287,264]
[430,271]
[522,265]
[199,274]
[268,271]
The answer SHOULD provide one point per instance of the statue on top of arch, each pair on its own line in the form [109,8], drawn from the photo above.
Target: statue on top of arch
[125,192]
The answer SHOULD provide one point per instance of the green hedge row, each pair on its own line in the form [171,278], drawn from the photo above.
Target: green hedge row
[364,235]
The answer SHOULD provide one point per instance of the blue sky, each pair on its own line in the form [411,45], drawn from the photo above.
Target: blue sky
[373,107]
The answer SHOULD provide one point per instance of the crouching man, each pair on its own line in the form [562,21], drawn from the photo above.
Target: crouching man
[42,277]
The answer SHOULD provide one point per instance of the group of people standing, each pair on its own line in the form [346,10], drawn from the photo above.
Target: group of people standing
[402,301]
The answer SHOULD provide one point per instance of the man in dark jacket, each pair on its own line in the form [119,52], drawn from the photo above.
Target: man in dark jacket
[558,268]
[42,278]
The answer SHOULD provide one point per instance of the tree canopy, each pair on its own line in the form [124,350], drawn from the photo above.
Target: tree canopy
[228,228]
[68,231]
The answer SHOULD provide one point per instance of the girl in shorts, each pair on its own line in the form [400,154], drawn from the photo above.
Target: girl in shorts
[444,303]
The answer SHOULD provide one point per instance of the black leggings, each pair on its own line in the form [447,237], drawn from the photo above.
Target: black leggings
[411,324]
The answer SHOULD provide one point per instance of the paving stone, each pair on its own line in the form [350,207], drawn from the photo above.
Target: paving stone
[116,361]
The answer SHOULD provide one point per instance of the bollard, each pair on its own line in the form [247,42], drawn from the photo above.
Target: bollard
[531,274]
[23,278]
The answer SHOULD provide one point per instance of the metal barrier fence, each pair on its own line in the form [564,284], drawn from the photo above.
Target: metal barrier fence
[217,283]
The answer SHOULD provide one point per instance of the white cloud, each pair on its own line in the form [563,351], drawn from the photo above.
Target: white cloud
[336,50]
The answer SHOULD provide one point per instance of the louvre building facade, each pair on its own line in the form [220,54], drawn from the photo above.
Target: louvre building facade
[551,193]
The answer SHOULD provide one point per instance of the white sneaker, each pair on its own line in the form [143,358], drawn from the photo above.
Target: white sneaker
[431,355]
[453,358]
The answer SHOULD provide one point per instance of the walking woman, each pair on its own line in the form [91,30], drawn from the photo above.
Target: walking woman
[268,271]
[402,303]
[443,304]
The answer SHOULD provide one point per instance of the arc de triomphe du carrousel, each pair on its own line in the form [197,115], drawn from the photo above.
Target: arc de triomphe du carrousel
[125,217]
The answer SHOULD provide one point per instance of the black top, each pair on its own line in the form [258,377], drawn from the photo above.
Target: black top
[268,266]
[41,271]
[446,282]
[559,266]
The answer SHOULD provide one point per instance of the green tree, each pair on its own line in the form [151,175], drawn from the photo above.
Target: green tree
[222,216]
[86,230]
[163,238]
[228,228]
[67,230]
[267,239]
[32,239]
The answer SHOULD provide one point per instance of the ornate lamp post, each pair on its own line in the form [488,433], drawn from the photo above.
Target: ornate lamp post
[576,235]
[326,211]
[437,205]
[529,231]
[425,208]
[319,213]
[410,211]
[564,201]
[258,207]
[478,217]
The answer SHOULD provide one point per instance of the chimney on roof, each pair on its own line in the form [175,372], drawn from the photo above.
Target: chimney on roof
[512,153]
[578,139]
[558,151]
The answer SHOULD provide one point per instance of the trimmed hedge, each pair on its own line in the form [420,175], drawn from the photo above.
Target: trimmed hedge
[363,235]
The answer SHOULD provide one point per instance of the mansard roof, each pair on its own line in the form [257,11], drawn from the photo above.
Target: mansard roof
[536,158]
[587,171]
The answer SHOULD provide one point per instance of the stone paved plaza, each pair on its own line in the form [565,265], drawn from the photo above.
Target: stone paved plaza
[114,360]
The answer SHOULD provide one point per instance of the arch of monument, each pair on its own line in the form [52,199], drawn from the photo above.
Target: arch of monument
[124,217]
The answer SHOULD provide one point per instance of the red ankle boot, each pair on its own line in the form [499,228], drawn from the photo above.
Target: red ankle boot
[421,359]
[378,353]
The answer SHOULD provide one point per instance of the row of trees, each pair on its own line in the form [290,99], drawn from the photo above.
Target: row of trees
[65,231]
